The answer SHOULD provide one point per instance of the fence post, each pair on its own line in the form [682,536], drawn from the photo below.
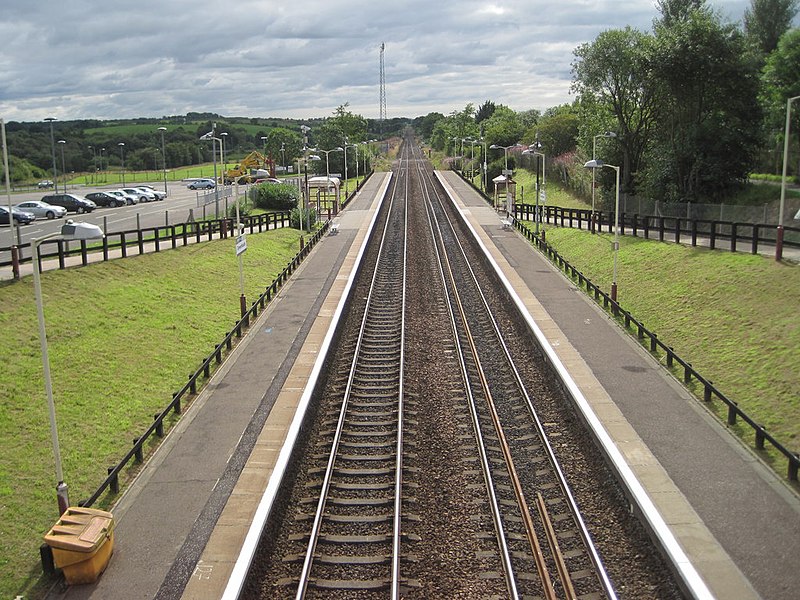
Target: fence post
[15,261]
[733,237]
[712,241]
[754,248]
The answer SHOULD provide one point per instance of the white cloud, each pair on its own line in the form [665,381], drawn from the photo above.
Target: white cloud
[91,59]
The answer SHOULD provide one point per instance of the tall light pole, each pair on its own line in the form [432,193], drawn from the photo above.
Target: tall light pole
[7,182]
[607,134]
[211,136]
[328,167]
[305,129]
[223,136]
[70,231]
[163,157]
[485,165]
[596,164]
[346,187]
[122,158]
[283,157]
[540,193]
[62,143]
[506,172]
[779,235]
[53,152]
[102,150]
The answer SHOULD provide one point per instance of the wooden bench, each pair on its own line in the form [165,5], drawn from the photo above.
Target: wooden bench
[507,224]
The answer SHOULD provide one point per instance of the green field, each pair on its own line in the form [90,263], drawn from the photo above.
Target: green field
[123,336]
[732,315]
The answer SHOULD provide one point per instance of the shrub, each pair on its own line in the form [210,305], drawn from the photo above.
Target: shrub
[274,196]
[298,217]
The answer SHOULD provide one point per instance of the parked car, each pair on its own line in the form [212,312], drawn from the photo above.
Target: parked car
[45,183]
[72,202]
[127,198]
[141,194]
[42,209]
[268,180]
[202,184]
[21,217]
[105,199]
[149,188]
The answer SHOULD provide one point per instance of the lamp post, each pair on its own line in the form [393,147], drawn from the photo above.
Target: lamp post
[53,152]
[283,157]
[94,167]
[485,165]
[102,150]
[540,192]
[69,231]
[8,183]
[62,143]
[346,187]
[779,235]
[163,157]
[596,164]
[607,134]
[210,136]
[327,166]
[223,136]
[122,157]
[506,173]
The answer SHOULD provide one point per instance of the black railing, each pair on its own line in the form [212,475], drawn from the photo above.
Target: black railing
[164,236]
[203,372]
[650,340]
[677,229]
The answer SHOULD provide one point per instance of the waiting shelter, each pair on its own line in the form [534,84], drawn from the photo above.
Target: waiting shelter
[505,193]
[325,192]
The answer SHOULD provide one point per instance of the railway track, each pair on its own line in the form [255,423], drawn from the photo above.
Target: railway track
[428,471]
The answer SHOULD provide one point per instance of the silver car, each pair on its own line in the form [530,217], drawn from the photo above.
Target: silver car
[42,209]
[128,198]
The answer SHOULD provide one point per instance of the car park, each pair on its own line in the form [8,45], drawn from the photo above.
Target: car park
[20,217]
[105,199]
[142,195]
[202,184]
[127,198]
[149,188]
[72,202]
[41,209]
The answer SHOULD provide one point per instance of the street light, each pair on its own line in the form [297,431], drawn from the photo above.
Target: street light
[163,157]
[122,157]
[485,165]
[53,152]
[539,194]
[69,231]
[223,136]
[327,166]
[779,238]
[283,157]
[101,163]
[62,143]
[607,134]
[596,164]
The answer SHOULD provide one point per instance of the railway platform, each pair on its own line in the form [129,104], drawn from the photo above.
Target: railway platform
[181,524]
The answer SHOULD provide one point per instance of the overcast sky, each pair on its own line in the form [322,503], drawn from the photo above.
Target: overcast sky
[73,59]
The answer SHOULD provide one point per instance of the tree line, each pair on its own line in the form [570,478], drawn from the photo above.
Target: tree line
[687,110]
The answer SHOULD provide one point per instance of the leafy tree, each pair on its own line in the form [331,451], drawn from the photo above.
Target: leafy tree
[677,11]
[503,128]
[711,125]
[485,111]
[557,131]
[767,20]
[424,125]
[781,81]
[615,71]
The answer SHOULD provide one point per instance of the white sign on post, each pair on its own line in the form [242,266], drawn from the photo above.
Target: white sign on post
[241,244]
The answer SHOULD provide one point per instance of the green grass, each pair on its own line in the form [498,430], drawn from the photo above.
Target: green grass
[122,337]
[732,315]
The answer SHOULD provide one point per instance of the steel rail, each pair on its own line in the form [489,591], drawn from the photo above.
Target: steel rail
[329,470]
[569,497]
[494,503]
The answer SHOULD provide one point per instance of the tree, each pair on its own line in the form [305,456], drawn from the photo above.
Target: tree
[485,111]
[616,71]
[677,11]
[557,131]
[767,20]
[710,130]
[503,128]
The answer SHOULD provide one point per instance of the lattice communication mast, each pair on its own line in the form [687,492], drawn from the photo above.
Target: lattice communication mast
[382,116]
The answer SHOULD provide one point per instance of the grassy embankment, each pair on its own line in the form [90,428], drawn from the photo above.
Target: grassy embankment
[123,336]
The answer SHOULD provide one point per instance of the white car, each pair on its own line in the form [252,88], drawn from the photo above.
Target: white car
[42,209]
[140,194]
[149,188]
[202,184]
[128,198]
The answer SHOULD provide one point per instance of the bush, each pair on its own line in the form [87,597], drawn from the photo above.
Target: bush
[274,196]
[298,217]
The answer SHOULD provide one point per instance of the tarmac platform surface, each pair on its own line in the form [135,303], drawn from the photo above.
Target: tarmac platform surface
[180,525]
